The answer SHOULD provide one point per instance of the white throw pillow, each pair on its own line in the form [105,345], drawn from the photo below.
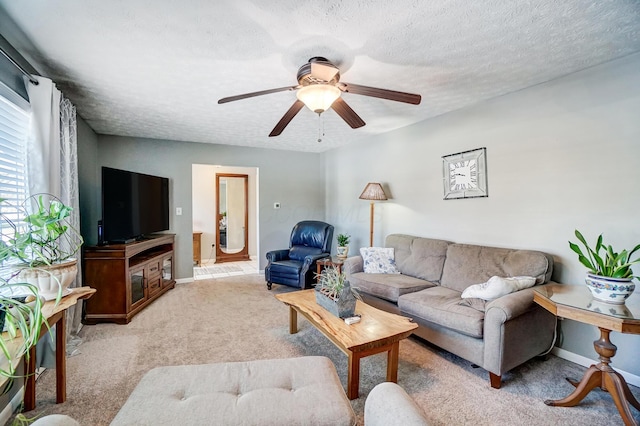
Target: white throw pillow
[498,287]
[379,260]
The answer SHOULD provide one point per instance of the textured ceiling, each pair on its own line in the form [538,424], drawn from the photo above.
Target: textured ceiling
[156,69]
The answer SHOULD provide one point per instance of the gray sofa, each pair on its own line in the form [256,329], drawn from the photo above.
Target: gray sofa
[497,335]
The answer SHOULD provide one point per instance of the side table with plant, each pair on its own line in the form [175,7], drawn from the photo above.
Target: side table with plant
[34,237]
[609,276]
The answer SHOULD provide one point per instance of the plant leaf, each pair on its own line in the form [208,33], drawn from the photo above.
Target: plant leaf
[575,248]
[586,263]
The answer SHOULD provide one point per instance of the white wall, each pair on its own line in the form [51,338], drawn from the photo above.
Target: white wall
[561,155]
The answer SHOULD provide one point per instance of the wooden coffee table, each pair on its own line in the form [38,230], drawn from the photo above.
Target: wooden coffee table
[377,332]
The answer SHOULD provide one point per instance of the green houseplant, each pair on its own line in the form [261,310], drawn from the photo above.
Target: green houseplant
[43,236]
[343,245]
[35,236]
[335,294]
[41,243]
[609,273]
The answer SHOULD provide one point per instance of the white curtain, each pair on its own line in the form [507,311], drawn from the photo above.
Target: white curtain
[52,167]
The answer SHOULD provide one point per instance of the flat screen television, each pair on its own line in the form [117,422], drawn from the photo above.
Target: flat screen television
[133,205]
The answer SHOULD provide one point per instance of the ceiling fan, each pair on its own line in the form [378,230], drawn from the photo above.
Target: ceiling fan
[319,88]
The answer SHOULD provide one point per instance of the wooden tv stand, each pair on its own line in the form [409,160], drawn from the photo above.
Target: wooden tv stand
[127,277]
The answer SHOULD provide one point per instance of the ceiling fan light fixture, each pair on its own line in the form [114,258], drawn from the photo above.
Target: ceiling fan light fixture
[318,97]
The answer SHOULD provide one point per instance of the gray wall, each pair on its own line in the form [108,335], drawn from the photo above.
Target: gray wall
[561,156]
[294,179]
[88,182]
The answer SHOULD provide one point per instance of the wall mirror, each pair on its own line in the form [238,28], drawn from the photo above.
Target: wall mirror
[232,233]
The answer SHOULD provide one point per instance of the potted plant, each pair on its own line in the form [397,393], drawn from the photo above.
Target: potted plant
[41,244]
[609,275]
[343,245]
[20,301]
[335,294]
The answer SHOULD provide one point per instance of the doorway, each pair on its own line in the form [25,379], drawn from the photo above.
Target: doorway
[205,221]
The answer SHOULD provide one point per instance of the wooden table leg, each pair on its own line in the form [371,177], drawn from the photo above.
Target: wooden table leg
[392,363]
[293,320]
[59,322]
[591,379]
[615,383]
[61,359]
[353,376]
[604,376]
[30,381]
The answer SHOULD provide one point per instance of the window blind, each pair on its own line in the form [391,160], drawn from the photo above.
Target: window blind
[14,129]
[15,119]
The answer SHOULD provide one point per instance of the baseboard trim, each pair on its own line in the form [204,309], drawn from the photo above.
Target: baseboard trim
[13,405]
[184,280]
[632,379]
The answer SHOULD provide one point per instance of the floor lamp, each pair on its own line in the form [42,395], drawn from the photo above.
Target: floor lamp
[373,191]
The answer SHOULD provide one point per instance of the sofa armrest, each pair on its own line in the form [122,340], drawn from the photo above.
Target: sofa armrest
[352,265]
[276,255]
[310,260]
[515,329]
[389,404]
[509,306]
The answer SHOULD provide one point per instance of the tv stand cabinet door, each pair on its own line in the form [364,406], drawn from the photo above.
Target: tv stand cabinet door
[137,288]
[168,273]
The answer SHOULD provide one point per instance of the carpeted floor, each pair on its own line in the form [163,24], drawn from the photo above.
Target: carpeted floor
[238,319]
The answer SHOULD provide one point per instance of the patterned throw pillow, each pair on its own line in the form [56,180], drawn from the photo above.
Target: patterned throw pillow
[379,260]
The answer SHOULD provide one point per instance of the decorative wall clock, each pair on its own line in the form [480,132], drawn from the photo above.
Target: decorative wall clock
[465,174]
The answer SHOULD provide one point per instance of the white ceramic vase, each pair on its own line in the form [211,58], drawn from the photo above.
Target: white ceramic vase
[342,252]
[610,290]
[49,279]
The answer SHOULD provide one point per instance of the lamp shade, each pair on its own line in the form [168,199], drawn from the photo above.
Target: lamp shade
[373,191]
[318,97]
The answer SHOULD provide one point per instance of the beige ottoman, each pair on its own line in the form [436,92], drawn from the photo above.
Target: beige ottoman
[300,391]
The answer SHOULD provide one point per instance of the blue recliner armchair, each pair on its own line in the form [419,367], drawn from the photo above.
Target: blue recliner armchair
[296,266]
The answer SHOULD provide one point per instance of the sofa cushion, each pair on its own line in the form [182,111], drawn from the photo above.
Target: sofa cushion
[497,287]
[469,264]
[378,260]
[387,286]
[418,257]
[442,306]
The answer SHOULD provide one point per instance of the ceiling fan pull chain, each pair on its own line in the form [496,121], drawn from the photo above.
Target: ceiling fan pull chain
[320,127]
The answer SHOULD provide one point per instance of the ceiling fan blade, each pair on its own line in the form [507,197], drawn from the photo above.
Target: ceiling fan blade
[323,71]
[391,95]
[286,118]
[252,94]
[347,114]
